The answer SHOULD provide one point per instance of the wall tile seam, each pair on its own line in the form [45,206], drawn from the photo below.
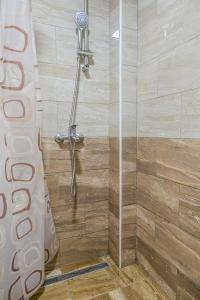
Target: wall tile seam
[163,55]
[159,97]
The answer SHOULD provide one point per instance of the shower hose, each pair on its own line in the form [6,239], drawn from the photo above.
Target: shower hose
[72,131]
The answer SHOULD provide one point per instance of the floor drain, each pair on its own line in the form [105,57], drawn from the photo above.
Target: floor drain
[73,274]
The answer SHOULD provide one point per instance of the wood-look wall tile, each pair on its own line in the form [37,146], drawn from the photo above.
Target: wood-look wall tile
[96,217]
[161,266]
[53,166]
[129,195]
[86,219]
[129,214]
[84,247]
[180,248]
[128,255]
[159,196]
[113,251]
[179,160]
[114,202]
[146,220]
[187,290]
[68,214]
[114,229]
[189,215]
[146,166]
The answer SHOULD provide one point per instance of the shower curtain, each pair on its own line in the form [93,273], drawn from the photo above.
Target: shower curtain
[27,232]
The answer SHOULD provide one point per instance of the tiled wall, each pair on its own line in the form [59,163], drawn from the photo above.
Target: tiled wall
[168,180]
[56,43]
[123,62]
[82,226]
[114,133]
[128,128]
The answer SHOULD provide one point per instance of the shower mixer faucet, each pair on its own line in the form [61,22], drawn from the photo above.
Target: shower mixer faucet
[73,136]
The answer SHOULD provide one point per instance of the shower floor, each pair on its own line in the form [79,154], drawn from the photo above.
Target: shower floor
[99,279]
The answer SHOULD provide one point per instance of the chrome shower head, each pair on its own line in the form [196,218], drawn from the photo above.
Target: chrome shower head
[81,19]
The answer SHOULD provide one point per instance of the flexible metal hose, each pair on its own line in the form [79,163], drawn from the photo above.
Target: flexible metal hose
[72,126]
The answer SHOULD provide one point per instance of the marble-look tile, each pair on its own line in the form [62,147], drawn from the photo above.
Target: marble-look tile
[60,13]
[114,119]
[129,47]
[45,42]
[179,70]
[190,114]
[129,119]
[91,118]
[56,89]
[147,81]
[129,14]
[49,128]
[165,25]
[129,87]
[160,117]
[160,27]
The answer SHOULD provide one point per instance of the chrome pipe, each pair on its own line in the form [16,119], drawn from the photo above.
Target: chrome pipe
[86,6]
[86,38]
[85,53]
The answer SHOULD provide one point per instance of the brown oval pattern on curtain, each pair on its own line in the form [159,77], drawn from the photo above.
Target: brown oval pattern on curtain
[18,29]
[30,228]
[3,205]
[28,205]
[20,67]
[14,166]
[16,116]
[28,291]
[11,289]
[14,268]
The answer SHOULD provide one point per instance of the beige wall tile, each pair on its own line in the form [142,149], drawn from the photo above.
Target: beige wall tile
[160,117]
[190,123]
[56,48]
[45,42]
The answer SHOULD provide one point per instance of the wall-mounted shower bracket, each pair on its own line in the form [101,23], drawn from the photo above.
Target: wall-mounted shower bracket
[85,53]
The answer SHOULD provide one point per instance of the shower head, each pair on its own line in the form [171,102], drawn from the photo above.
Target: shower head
[81,19]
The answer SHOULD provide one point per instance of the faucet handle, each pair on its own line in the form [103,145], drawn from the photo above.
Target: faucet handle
[60,138]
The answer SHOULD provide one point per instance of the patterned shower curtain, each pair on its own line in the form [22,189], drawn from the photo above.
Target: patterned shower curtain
[27,232]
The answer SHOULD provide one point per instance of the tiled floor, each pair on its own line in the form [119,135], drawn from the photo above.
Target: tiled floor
[111,283]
